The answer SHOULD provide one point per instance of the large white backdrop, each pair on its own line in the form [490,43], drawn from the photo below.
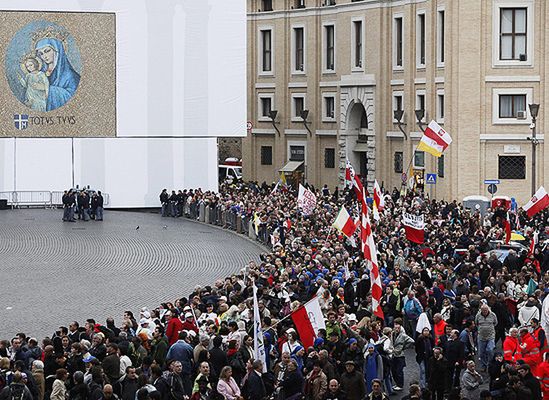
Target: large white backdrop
[132,170]
[181,84]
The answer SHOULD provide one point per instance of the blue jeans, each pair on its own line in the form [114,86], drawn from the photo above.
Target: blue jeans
[422,378]
[164,209]
[85,215]
[388,384]
[99,214]
[485,352]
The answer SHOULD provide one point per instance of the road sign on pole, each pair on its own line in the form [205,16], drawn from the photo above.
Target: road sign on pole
[492,188]
[491,181]
[431,179]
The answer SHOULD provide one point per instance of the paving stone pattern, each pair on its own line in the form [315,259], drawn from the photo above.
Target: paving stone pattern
[53,272]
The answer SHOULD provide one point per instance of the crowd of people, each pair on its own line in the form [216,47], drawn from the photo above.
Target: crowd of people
[450,301]
[84,204]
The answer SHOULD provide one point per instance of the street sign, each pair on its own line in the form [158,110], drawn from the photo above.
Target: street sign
[431,179]
[404,177]
[492,188]
[491,181]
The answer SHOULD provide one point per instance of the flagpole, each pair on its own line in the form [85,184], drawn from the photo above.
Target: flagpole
[290,314]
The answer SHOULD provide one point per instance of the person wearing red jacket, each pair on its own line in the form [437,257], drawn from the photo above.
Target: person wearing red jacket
[539,334]
[189,324]
[512,351]
[174,327]
[530,349]
[439,327]
[543,376]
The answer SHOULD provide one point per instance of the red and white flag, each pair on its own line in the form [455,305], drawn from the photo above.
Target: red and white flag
[533,243]
[370,255]
[538,202]
[414,225]
[308,319]
[379,201]
[507,225]
[344,223]
[306,200]
[287,224]
[353,180]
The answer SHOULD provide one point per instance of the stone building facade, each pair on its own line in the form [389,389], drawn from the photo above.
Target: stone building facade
[474,66]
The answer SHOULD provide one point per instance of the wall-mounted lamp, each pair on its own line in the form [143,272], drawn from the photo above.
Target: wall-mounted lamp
[272,116]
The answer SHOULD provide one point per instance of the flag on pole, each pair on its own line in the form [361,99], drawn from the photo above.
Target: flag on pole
[538,202]
[532,286]
[414,225]
[344,223]
[259,346]
[379,201]
[435,140]
[308,319]
[349,174]
[281,182]
[256,223]
[306,200]
[370,255]
[287,224]
[507,225]
[353,180]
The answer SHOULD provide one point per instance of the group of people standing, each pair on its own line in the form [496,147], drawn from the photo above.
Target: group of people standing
[80,203]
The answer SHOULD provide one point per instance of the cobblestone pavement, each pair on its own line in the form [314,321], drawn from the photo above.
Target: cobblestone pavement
[53,272]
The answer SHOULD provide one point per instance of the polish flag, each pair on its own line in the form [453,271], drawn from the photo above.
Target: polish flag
[533,243]
[370,255]
[507,225]
[537,203]
[344,223]
[414,225]
[308,319]
[287,224]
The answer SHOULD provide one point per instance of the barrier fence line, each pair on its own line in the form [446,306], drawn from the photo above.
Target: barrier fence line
[41,198]
[234,220]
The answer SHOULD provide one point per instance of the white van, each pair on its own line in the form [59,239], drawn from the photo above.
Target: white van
[231,173]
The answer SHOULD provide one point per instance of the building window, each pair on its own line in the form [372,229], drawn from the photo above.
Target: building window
[398,102]
[329,158]
[329,107]
[440,107]
[266,107]
[397,41]
[330,47]
[357,34]
[420,101]
[419,159]
[420,40]
[441,166]
[299,43]
[512,105]
[266,155]
[440,37]
[267,5]
[398,161]
[297,107]
[512,167]
[297,153]
[512,40]
[266,51]
[299,3]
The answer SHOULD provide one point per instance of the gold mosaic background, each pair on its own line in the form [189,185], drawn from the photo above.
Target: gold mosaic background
[93,106]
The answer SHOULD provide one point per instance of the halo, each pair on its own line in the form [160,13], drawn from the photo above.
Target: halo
[26,57]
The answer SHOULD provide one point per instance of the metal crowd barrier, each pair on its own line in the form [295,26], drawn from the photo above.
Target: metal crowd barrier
[42,198]
[229,219]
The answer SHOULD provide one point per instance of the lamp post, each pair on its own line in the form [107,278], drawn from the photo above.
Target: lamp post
[534,109]
[304,114]
[420,114]
[272,116]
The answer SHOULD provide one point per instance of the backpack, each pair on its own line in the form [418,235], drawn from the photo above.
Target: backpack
[17,392]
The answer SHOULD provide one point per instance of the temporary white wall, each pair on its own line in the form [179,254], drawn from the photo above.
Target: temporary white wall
[132,170]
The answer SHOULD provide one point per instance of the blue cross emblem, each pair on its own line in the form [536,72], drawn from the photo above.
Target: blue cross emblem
[21,121]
